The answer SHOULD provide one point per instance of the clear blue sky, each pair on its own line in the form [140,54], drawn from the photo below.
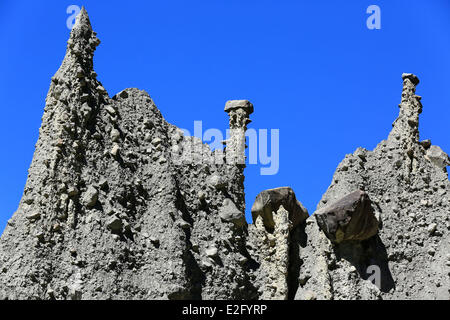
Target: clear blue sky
[312,69]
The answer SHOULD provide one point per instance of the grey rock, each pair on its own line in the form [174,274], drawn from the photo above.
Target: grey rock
[114,224]
[99,220]
[156,141]
[115,150]
[438,157]
[230,213]
[90,197]
[217,181]
[106,220]
[426,143]
[414,79]
[110,110]
[432,228]
[33,216]
[115,135]
[211,252]
[239,104]
[72,191]
[268,201]
[184,224]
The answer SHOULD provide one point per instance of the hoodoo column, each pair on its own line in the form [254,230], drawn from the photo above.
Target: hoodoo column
[239,112]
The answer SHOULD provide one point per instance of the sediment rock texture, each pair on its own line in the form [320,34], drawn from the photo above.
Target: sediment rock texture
[119,204]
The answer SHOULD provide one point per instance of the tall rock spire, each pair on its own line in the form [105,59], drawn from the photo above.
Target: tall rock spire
[406,126]
[106,205]
[73,125]
[407,186]
[404,137]
[239,113]
[81,45]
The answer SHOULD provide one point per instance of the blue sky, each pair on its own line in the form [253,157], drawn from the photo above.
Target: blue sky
[312,69]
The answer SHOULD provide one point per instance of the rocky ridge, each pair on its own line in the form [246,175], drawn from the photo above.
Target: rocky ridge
[119,204]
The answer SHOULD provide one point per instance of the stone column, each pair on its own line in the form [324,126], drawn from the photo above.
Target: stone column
[406,128]
[405,132]
[239,112]
[273,248]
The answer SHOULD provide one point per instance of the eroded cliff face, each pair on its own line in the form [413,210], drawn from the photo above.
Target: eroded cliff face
[407,182]
[119,204]
[382,229]
[115,205]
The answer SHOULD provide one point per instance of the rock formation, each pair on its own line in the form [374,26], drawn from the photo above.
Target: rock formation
[409,191]
[119,204]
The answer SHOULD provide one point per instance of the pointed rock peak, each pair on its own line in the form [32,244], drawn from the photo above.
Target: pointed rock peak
[83,40]
[406,127]
[77,68]
[82,21]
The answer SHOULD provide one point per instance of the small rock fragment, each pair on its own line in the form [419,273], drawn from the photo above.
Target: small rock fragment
[230,213]
[438,157]
[33,216]
[72,191]
[432,228]
[217,181]
[115,150]
[90,197]
[184,224]
[425,143]
[114,224]
[115,135]
[110,110]
[211,251]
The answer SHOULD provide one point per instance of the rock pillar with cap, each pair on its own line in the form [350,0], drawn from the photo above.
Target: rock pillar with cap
[404,136]
[239,112]
[406,128]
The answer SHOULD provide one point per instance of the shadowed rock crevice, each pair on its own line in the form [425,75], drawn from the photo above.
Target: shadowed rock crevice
[298,239]
[194,274]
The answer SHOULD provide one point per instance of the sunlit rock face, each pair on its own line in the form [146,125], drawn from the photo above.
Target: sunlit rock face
[409,191]
[119,204]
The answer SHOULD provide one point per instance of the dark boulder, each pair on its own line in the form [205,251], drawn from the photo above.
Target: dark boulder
[269,201]
[350,218]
